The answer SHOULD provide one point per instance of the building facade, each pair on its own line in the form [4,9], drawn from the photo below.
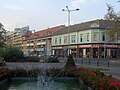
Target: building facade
[14,38]
[39,42]
[87,39]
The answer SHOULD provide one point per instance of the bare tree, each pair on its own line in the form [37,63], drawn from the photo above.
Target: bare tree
[111,14]
[113,31]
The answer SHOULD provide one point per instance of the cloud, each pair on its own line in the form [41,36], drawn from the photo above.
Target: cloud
[10,23]
[13,7]
[76,3]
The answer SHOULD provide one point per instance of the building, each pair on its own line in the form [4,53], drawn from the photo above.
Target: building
[39,42]
[14,38]
[88,39]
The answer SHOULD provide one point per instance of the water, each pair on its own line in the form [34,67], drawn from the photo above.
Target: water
[53,84]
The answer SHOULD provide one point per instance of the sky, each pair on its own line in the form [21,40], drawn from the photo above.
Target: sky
[41,14]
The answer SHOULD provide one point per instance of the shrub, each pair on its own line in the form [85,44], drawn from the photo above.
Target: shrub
[70,62]
[12,54]
[31,59]
[51,59]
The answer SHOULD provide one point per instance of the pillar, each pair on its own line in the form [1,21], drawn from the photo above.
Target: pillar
[91,52]
[84,53]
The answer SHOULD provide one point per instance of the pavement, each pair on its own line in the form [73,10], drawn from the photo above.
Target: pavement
[112,69]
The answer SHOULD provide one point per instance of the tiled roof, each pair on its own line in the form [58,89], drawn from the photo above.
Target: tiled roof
[46,32]
[95,24]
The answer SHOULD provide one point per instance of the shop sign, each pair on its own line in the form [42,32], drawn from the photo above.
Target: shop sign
[109,46]
[73,46]
[112,46]
[95,45]
[84,46]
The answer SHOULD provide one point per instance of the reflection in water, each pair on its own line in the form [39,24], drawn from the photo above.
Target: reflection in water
[57,84]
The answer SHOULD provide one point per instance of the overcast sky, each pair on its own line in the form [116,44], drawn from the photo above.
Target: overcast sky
[41,14]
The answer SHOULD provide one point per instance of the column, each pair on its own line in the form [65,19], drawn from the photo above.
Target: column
[91,52]
[84,53]
[77,52]
[99,52]
[53,52]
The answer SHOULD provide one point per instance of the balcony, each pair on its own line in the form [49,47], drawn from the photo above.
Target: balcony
[31,44]
[41,43]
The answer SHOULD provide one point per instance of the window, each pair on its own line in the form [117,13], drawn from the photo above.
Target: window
[59,40]
[65,39]
[95,36]
[81,37]
[88,37]
[73,39]
[103,37]
[55,40]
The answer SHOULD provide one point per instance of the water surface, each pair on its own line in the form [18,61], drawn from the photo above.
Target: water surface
[56,84]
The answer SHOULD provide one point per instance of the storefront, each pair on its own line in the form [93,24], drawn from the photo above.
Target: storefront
[88,51]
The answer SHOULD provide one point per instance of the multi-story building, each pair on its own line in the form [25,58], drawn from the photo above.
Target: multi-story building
[9,38]
[14,38]
[39,42]
[88,39]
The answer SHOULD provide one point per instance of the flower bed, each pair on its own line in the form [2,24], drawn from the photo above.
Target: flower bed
[92,78]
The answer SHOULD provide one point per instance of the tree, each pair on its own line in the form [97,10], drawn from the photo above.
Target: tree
[111,14]
[2,36]
[12,54]
[114,31]
[70,62]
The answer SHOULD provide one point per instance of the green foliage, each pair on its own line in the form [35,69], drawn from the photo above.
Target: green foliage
[113,32]
[51,59]
[20,72]
[2,36]
[12,54]
[70,62]
[31,59]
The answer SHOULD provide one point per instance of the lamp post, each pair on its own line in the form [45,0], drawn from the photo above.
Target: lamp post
[69,10]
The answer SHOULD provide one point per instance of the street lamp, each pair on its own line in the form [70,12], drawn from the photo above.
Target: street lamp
[69,10]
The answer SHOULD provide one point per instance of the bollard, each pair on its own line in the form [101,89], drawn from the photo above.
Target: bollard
[108,63]
[97,63]
[82,61]
[89,61]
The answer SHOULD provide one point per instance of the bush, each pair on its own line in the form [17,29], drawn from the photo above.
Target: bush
[52,59]
[31,59]
[70,62]
[12,54]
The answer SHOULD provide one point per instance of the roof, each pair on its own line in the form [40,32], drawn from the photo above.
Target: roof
[95,24]
[46,32]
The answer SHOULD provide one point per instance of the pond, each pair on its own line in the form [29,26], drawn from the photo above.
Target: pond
[52,84]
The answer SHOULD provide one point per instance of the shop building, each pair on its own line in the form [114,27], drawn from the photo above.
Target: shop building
[87,40]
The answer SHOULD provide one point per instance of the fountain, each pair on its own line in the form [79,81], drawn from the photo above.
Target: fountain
[31,80]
